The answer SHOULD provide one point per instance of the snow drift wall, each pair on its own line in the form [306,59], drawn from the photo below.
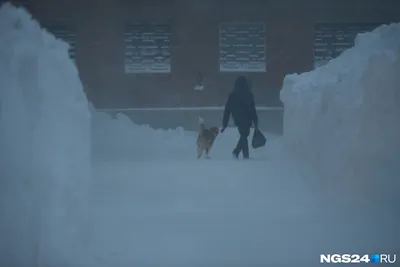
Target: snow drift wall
[44,146]
[341,123]
[118,138]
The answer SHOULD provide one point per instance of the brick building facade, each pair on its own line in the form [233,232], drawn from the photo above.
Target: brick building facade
[195,49]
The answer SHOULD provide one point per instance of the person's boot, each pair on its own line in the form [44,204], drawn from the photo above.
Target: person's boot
[235,154]
[238,149]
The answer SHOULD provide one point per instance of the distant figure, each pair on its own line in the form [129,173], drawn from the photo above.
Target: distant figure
[242,107]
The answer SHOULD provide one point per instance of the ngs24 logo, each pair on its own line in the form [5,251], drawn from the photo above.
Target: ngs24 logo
[357,258]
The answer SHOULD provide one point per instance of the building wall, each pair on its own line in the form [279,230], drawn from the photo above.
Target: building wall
[95,28]
[99,26]
[194,49]
[194,24]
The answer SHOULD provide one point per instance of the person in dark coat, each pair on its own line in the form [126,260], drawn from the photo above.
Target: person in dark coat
[241,106]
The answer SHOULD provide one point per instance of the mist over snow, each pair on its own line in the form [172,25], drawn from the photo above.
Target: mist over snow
[44,146]
[342,119]
[82,188]
[116,137]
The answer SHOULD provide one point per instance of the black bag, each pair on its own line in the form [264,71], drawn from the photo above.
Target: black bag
[259,140]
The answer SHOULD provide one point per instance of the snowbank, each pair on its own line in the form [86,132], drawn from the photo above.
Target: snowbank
[341,120]
[44,146]
[118,138]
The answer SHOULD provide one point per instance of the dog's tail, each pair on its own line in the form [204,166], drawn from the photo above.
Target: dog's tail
[201,124]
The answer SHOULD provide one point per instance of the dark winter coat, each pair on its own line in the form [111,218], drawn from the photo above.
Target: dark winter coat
[240,105]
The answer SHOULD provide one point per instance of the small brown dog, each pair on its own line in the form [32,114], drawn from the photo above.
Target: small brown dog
[205,139]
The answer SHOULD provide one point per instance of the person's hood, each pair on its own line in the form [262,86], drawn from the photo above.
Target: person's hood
[241,85]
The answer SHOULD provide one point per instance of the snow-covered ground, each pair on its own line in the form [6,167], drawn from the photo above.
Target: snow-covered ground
[79,188]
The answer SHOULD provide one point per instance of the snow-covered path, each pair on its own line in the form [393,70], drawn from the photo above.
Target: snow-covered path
[222,213]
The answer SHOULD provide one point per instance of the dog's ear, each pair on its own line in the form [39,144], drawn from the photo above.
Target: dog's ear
[201,120]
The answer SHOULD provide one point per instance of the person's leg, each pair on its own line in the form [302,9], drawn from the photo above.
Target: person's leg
[244,134]
[239,144]
[237,149]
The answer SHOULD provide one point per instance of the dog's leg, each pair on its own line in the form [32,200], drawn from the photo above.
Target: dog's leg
[207,152]
[199,152]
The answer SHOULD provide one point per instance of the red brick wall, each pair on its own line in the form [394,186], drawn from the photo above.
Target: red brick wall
[289,39]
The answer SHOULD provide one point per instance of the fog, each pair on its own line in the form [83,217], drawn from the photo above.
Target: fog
[82,188]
